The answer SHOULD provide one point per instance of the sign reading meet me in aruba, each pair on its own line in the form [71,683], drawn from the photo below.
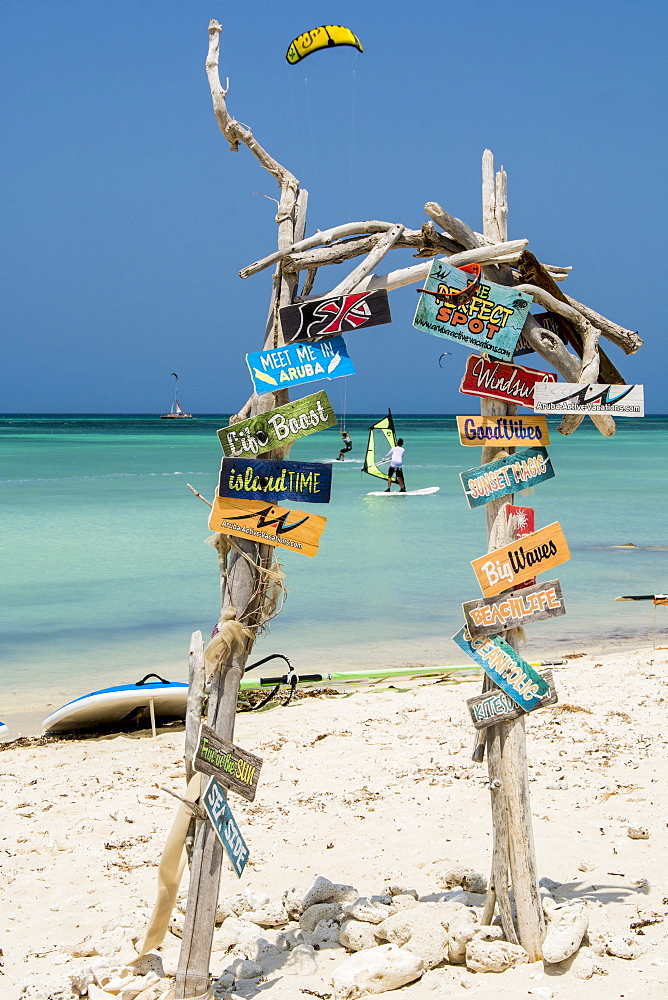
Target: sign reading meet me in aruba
[268,523]
[334,315]
[505,667]
[502,569]
[513,383]
[490,321]
[233,767]
[295,364]
[490,615]
[270,479]
[500,431]
[277,427]
[497,479]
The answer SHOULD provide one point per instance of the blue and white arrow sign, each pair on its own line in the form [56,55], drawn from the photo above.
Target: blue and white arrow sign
[299,363]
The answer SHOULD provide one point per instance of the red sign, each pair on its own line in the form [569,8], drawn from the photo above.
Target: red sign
[514,383]
[526,523]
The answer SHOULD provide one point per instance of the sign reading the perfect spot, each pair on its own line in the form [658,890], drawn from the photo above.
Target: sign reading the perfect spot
[506,475]
[490,321]
[505,667]
[268,524]
[490,615]
[277,427]
[504,568]
[502,431]
[495,706]
[269,479]
[570,397]
[334,315]
[513,383]
[296,364]
[233,767]
[225,825]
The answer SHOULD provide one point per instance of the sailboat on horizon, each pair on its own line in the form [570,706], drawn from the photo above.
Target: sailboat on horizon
[176,413]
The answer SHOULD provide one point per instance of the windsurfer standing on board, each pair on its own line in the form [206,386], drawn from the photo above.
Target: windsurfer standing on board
[396,471]
[347,445]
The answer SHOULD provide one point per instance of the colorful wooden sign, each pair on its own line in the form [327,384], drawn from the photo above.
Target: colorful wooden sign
[490,321]
[502,431]
[268,524]
[495,706]
[570,397]
[505,667]
[225,825]
[506,475]
[513,383]
[525,521]
[504,568]
[269,479]
[297,364]
[334,315]
[491,615]
[234,768]
[277,427]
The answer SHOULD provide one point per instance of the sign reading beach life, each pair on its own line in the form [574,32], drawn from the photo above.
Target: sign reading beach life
[490,321]
[513,383]
[490,615]
[334,315]
[271,479]
[279,427]
[268,523]
[497,479]
[296,364]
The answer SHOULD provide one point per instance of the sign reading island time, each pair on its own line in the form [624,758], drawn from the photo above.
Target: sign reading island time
[490,321]
[271,479]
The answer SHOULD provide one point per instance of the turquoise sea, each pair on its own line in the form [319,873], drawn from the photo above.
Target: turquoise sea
[105,574]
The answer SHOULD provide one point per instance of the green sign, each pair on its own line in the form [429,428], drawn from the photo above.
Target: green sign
[278,427]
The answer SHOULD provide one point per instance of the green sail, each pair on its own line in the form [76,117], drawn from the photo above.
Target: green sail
[381,438]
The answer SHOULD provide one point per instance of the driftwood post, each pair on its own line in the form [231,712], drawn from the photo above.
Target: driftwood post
[506,741]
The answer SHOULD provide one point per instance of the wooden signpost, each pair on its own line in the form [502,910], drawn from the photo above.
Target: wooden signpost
[296,364]
[334,315]
[279,427]
[495,706]
[490,321]
[514,383]
[502,431]
[506,475]
[582,397]
[505,667]
[490,615]
[268,523]
[225,825]
[236,769]
[271,479]
[525,523]
[504,568]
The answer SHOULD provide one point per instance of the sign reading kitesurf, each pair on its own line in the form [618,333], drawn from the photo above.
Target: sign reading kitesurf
[268,523]
[236,769]
[225,825]
[506,475]
[505,667]
[299,363]
[269,479]
[278,427]
[504,568]
[490,319]
[500,431]
[490,615]
[495,706]
[334,315]
[567,397]
[513,383]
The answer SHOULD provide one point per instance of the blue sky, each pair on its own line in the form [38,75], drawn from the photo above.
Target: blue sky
[126,218]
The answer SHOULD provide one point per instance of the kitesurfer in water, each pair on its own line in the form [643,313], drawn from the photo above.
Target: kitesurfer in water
[347,445]
[396,471]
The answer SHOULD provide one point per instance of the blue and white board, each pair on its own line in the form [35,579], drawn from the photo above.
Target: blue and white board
[3,728]
[114,704]
[405,493]
[296,364]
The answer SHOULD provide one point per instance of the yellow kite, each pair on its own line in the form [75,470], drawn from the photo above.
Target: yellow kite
[327,36]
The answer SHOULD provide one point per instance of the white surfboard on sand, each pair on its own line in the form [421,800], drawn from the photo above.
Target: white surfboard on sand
[407,493]
[129,702]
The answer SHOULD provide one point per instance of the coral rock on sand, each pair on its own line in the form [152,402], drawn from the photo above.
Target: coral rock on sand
[244,968]
[566,927]
[355,935]
[373,909]
[493,956]
[637,832]
[312,916]
[301,962]
[422,930]
[324,891]
[376,970]
[461,930]
[469,879]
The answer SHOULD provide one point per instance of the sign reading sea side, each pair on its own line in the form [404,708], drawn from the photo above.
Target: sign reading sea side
[270,479]
[490,321]
[475,431]
[268,523]
[503,476]
[277,427]
[505,667]
[225,825]
[295,364]
[572,397]
[502,569]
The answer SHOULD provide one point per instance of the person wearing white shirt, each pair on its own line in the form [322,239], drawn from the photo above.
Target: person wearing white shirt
[396,471]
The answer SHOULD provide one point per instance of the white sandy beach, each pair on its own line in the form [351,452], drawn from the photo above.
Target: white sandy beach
[372,789]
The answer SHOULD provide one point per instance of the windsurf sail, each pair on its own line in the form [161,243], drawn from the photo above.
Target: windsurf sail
[381,438]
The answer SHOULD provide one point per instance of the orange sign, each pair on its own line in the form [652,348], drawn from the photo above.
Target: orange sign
[500,432]
[268,524]
[505,568]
